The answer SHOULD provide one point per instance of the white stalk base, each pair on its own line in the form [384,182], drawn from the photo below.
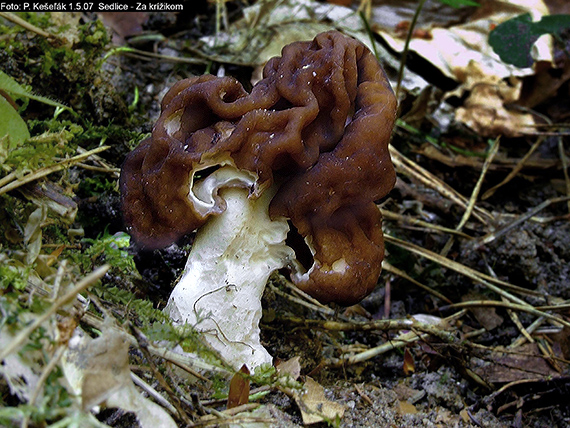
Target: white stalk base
[229,264]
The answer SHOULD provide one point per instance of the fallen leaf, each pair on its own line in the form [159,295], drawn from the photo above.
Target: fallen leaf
[406,393]
[486,316]
[406,408]
[291,367]
[124,24]
[33,234]
[459,36]
[314,405]
[484,113]
[484,109]
[513,39]
[98,371]
[509,365]
[409,366]
[20,370]
[239,388]
[458,46]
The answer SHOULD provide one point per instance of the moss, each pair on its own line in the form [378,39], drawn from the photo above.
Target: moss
[111,249]
[53,125]
[93,38]
[13,278]
[96,185]
[41,20]
[39,152]
[70,74]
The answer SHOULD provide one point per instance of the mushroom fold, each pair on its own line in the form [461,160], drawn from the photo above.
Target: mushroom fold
[317,126]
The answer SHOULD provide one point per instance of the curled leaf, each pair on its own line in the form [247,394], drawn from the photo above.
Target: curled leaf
[33,234]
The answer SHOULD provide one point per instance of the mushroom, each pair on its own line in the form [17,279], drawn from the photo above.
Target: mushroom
[307,147]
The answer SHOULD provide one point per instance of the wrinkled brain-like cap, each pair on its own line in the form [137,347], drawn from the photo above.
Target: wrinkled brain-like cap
[318,123]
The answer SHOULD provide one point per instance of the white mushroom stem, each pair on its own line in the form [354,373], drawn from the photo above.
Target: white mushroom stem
[229,264]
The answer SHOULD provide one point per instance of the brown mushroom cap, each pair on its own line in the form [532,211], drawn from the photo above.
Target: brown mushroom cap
[318,122]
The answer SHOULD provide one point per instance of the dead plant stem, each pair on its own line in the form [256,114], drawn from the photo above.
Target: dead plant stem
[474,195]
[487,280]
[519,166]
[26,25]
[508,305]
[42,172]
[490,237]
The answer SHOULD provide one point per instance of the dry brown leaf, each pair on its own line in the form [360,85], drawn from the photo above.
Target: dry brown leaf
[484,110]
[409,366]
[124,24]
[522,362]
[406,408]
[486,316]
[239,388]
[405,393]
[315,407]
[291,367]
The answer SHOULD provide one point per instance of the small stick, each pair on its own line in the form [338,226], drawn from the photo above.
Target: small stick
[508,305]
[490,237]
[42,172]
[25,24]
[474,195]
[392,269]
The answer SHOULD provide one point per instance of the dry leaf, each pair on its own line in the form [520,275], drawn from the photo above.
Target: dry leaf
[465,415]
[406,393]
[484,110]
[53,197]
[124,24]
[33,234]
[458,47]
[248,41]
[21,371]
[486,316]
[521,363]
[239,388]
[406,408]
[409,366]
[98,371]
[291,367]
[459,36]
[314,405]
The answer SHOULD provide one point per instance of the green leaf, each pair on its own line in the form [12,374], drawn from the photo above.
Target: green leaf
[513,39]
[459,3]
[12,125]
[15,89]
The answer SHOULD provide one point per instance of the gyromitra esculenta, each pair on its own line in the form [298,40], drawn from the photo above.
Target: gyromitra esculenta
[308,145]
